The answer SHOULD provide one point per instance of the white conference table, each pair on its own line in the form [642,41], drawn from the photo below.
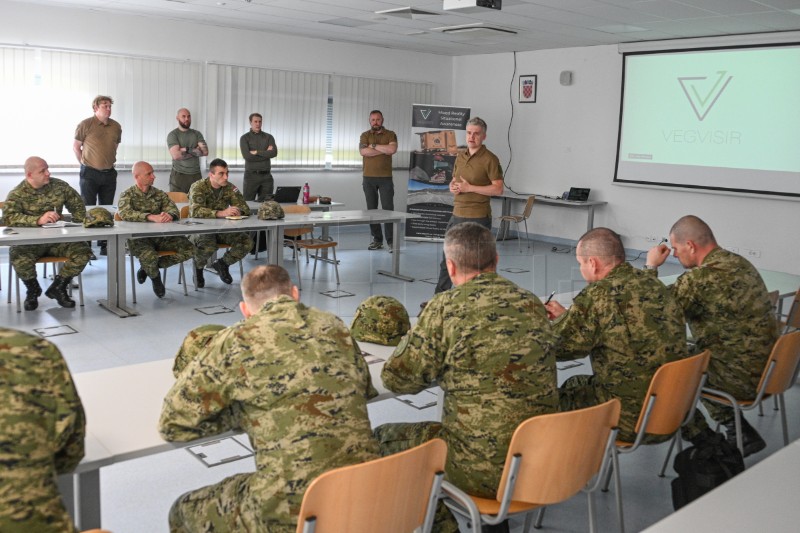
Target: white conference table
[117,236]
[123,405]
[509,198]
[763,497]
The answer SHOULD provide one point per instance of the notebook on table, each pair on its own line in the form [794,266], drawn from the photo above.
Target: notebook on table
[287,195]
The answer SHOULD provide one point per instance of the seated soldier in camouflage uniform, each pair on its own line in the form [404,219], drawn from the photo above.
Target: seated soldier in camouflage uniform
[43,428]
[487,343]
[214,197]
[626,320]
[37,201]
[292,378]
[144,203]
[727,306]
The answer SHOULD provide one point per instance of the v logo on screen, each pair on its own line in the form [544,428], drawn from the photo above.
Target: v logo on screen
[702,94]
[425,113]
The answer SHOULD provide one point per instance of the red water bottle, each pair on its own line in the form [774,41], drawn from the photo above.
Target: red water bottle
[305,193]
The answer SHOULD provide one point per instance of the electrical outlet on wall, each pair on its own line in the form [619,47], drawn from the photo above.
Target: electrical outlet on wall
[752,253]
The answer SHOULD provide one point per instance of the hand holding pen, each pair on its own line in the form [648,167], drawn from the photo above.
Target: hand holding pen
[553,308]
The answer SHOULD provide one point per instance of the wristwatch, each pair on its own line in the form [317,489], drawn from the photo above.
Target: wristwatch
[373,145]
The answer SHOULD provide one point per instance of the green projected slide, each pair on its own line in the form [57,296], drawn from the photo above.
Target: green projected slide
[717,119]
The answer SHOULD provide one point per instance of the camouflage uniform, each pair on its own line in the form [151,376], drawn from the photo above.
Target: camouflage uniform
[194,343]
[24,205]
[488,344]
[630,325]
[298,387]
[728,310]
[43,427]
[380,319]
[134,206]
[205,201]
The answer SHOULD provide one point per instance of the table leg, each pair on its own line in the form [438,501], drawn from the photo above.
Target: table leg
[81,495]
[116,300]
[395,273]
[590,218]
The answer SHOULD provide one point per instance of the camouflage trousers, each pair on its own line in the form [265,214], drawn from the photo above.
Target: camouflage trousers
[580,392]
[395,438]
[230,506]
[206,245]
[31,502]
[147,249]
[24,258]
[730,377]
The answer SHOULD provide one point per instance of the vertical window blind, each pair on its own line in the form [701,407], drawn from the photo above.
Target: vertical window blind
[47,93]
[354,98]
[316,118]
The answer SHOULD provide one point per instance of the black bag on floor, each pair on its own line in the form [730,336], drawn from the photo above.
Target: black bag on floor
[704,467]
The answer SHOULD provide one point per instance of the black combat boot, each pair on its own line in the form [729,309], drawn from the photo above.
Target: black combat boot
[751,440]
[201,281]
[34,291]
[222,269]
[58,292]
[158,286]
[502,527]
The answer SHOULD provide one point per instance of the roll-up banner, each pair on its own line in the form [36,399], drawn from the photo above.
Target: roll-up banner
[441,130]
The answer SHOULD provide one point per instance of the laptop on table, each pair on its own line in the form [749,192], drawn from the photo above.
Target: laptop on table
[578,194]
[287,195]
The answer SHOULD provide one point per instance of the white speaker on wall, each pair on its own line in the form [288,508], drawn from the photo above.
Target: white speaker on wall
[566,77]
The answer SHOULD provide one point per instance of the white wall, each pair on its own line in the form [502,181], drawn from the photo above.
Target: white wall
[568,138]
[87,30]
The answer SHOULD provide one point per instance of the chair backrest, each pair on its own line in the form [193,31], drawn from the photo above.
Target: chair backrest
[178,197]
[786,356]
[297,209]
[793,318]
[561,452]
[185,211]
[389,494]
[528,207]
[674,388]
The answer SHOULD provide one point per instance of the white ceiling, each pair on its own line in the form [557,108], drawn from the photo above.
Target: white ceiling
[540,24]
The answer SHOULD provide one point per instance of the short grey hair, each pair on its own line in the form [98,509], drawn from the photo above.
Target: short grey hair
[477,121]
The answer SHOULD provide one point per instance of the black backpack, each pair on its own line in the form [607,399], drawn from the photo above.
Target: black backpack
[705,466]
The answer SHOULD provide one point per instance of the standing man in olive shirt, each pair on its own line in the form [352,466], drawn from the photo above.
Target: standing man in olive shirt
[95,147]
[186,146]
[377,145]
[257,147]
[477,177]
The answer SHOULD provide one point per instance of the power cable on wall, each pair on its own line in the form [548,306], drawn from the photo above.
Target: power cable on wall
[510,122]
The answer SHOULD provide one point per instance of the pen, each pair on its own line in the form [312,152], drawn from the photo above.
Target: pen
[550,297]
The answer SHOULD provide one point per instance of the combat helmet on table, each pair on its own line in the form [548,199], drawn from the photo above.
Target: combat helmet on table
[381,320]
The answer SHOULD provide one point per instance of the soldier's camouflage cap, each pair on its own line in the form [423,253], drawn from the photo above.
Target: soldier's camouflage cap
[193,344]
[270,210]
[380,319]
[98,217]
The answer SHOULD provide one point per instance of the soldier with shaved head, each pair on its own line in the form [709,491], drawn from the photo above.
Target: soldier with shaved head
[626,320]
[293,379]
[727,306]
[40,199]
[143,202]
